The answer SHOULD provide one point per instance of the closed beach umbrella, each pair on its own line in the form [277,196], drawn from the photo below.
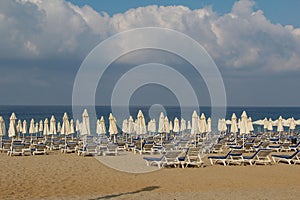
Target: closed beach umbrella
[167,125]
[220,125]
[292,124]
[52,129]
[189,126]
[19,126]
[176,125]
[98,126]
[250,125]
[141,124]
[153,126]
[280,124]
[12,130]
[202,124]
[265,123]
[24,130]
[182,125]
[130,128]
[233,127]
[41,126]
[85,129]
[125,126]
[102,126]
[270,125]
[161,123]
[31,127]
[58,127]
[171,125]
[46,127]
[2,127]
[244,129]
[72,129]
[195,124]
[113,130]
[36,128]
[65,127]
[223,126]
[209,125]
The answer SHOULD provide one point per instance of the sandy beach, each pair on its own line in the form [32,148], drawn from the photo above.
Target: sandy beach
[60,176]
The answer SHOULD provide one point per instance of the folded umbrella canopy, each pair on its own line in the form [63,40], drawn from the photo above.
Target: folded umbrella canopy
[176,128]
[85,129]
[195,124]
[46,127]
[233,127]
[52,129]
[12,130]
[2,127]
[65,127]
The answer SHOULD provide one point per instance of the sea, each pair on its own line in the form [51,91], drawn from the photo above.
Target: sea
[41,112]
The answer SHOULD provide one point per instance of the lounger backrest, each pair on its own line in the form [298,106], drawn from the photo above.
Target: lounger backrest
[263,153]
[18,147]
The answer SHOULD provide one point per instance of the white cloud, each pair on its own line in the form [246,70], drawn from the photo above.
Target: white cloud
[243,38]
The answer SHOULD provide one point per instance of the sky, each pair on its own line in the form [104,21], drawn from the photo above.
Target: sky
[255,45]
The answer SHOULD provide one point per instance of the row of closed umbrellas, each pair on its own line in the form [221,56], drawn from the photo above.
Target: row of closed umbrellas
[244,125]
[198,124]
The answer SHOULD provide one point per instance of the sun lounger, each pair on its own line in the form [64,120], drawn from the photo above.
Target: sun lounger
[147,148]
[224,159]
[192,158]
[285,147]
[71,147]
[173,158]
[259,157]
[295,147]
[154,161]
[89,149]
[27,149]
[5,147]
[217,148]
[169,158]
[294,158]
[15,149]
[111,149]
[40,149]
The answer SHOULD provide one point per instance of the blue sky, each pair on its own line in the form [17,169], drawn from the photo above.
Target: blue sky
[254,43]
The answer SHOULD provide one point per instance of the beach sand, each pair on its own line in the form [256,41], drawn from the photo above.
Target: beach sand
[59,176]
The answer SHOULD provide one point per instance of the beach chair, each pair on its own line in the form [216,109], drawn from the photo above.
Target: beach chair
[26,149]
[248,147]
[147,148]
[275,147]
[295,147]
[259,157]
[285,147]
[90,149]
[233,154]
[111,149]
[121,146]
[173,158]
[193,158]
[40,149]
[217,148]
[15,149]
[71,147]
[294,158]
[5,147]
[154,161]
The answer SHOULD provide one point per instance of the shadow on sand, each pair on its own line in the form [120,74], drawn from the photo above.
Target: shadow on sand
[146,189]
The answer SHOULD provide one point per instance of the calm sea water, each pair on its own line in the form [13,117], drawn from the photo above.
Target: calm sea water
[42,112]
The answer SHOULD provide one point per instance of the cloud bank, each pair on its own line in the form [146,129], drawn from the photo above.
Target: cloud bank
[243,39]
